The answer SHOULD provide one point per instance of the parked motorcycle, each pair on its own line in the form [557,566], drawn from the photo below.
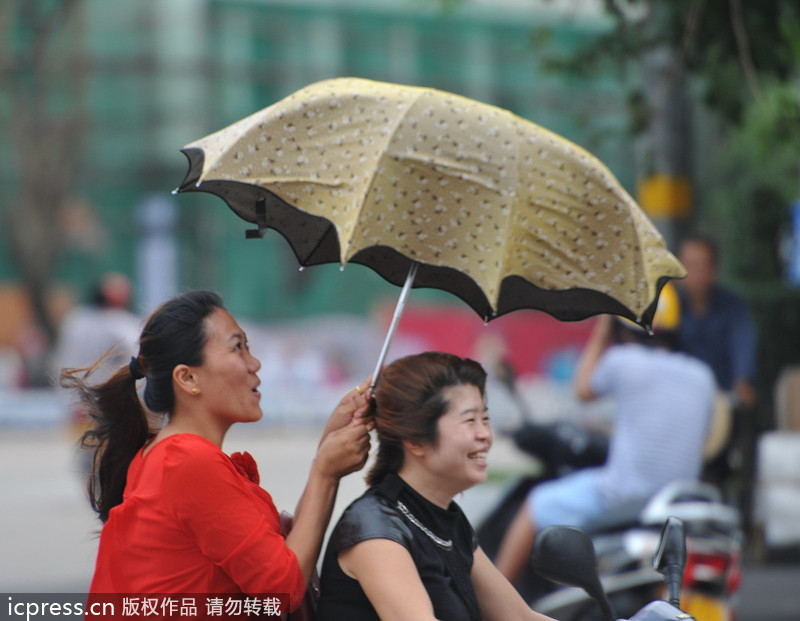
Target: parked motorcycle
[624,543]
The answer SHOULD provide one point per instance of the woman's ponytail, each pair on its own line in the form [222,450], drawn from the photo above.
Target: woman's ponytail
[388,459]
[120,427]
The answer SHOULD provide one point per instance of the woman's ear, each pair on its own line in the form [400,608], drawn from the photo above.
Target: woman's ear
[185,379]
[414,448]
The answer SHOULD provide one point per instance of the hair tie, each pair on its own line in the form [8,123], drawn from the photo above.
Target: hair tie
[135,368]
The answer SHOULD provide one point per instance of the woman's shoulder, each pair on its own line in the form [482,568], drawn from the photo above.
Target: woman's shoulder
[372,516]
[186,454]
[190,445]
[370,507]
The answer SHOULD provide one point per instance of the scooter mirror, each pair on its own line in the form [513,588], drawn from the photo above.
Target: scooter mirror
[565,555]
[670,558]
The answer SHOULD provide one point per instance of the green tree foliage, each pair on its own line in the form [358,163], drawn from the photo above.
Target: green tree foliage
[730,46]
[759,179]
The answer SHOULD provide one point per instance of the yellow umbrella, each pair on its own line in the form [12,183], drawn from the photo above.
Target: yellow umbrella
[437,190]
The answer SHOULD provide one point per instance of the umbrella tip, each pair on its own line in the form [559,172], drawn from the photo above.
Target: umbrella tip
[175,191]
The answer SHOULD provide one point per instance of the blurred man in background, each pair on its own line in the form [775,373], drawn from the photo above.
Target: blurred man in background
[717,327]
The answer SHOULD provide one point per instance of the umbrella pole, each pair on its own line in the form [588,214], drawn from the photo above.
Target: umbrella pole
[398,310]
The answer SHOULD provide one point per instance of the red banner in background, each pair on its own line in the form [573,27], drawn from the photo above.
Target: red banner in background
[533,342]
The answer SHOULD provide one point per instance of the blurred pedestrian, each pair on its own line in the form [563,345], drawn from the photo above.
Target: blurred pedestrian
[716,325]
[181,516]
[105,325]
[663,402]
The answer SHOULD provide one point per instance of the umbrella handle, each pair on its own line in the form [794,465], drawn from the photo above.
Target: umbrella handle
[398,310]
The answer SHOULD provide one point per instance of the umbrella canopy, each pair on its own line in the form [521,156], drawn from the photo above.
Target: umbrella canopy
[493,208]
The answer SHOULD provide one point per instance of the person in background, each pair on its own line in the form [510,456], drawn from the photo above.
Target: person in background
[101,334]
[405,550]
[663,401]
[181,516]
[105,325]
[717,327]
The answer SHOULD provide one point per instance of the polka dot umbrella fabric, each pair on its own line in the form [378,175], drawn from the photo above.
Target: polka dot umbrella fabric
[493,208]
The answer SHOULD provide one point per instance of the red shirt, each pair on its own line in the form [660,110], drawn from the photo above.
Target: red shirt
[192,522]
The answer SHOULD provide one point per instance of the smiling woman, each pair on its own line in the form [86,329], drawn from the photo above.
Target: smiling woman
[405,550]
[180,515]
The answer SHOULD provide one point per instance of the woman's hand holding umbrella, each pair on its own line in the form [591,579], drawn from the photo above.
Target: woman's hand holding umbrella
[353,406]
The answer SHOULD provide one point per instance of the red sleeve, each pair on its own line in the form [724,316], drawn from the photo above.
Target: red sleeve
[232,525]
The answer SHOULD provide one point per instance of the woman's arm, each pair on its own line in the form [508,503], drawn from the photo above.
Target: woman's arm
[497,598]
[352,406]
[389,578]
[342,450]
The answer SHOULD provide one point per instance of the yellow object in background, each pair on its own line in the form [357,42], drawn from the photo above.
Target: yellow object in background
[668,309]
[665,196]
[705,608]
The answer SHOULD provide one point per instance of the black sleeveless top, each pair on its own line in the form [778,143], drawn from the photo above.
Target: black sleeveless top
[441,542]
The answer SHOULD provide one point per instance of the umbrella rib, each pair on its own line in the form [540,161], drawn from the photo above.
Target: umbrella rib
[318,244]
[374,174]
[504,272]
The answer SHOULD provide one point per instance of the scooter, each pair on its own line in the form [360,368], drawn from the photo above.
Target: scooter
[565,555]
[626,540]
[712,562]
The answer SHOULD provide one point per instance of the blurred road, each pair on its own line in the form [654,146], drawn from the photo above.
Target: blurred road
[48,534]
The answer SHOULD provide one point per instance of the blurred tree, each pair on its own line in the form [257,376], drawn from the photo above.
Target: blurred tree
[744,58]
[42,74]
[730,47]
[758,178]
[754,180]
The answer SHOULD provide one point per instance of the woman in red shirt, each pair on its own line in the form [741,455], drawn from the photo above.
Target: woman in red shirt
[180,515]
